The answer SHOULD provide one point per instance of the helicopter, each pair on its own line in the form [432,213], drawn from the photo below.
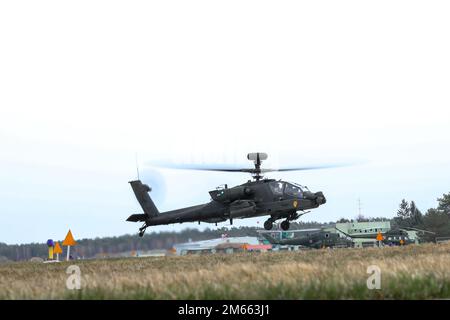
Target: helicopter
[258,197]
[312,238]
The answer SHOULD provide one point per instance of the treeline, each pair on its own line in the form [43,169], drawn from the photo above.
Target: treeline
[89,248]
[436,220]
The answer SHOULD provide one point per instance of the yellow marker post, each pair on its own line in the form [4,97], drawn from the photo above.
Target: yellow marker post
[57,250]
[68,242]
[402,242]
[50,249]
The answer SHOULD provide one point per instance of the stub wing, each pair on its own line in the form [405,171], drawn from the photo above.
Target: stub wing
[137,217]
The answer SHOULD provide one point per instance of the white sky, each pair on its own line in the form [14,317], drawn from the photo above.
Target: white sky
[85,85]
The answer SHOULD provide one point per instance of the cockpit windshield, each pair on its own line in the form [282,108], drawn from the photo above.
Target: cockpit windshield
[292,190]
[277,187]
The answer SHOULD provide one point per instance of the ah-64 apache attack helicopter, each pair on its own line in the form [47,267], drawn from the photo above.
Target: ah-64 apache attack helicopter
[260,197]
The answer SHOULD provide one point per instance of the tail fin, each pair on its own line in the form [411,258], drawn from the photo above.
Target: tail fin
[141,192]
[269,238]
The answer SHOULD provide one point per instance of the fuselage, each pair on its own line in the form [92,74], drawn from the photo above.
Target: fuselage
[278,199]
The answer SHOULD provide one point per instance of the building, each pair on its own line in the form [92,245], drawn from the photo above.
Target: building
[258,247]
[364,228]
[358,231]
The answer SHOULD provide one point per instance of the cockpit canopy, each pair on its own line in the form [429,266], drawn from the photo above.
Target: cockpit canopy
[293,190]
[280,188]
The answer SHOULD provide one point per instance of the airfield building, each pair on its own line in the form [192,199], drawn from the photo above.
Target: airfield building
[361,229]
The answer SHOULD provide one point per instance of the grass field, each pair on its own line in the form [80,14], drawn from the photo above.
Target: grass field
[410,272]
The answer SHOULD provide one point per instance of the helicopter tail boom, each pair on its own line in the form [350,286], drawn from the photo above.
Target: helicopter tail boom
[141,192]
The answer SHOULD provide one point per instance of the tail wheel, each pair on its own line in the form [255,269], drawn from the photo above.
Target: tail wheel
[142,230]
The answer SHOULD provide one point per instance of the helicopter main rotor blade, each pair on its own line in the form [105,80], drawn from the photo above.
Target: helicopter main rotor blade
[221,170]
[416,229]
[346,234]
[246,170]
[234,168]
[201,167]
[325,166]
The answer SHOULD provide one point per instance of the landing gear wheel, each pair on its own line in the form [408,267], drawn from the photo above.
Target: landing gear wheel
[142,230]
[285,225]
[268,225]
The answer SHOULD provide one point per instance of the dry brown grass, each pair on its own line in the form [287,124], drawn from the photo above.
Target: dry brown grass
[411,272]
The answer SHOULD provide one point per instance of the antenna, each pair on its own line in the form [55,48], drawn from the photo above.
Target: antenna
[359,206]
[137,166]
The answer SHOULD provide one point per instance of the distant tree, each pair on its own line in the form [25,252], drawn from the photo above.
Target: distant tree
[444,203]
[305,225]
[416,216]
[436,221]
[343,220]
[361,218]
[377,219]
[404,211]
[403,218]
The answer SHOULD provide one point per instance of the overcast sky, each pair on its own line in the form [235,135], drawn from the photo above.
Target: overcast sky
[86,85]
